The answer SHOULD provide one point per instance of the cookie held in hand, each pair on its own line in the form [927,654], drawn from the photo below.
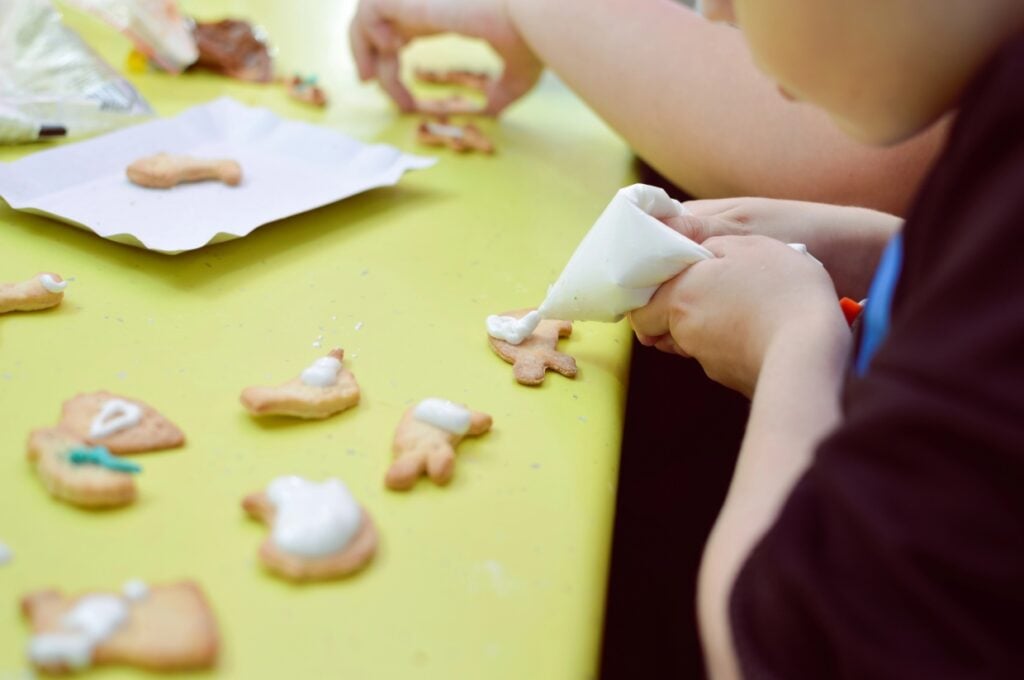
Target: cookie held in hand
[158,628]
[538,353]
[425,441]
[317,530]
[42,291]
[324,388]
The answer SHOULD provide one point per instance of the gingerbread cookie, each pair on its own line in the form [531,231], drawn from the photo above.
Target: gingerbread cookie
[234,48]
[164,171]
[89,477]
[42,291]
[449,106]
[321,390]
[426,438]
[120,424]
[158,628]
[306,91]
[318,531]
[537,353]
[460,138]
[474,80]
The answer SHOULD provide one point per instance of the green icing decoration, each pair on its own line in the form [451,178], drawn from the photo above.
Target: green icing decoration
[99,455]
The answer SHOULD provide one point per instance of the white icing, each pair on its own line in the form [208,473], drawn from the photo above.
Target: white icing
[73,650]
[321,373]
[135,590]
[115,415]
[453,131]
[6,554]
[312,520]
[51,284]
[444,414]
[92,620]
[511,329]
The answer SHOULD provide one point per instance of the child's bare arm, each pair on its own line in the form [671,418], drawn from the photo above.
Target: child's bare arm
[682,91]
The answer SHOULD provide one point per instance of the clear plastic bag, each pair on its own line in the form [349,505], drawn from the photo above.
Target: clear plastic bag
[52,83]
[156,27]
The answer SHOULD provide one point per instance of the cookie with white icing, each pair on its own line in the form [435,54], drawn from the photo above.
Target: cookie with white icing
[121,424]
[42,291]
[534,356]
[425,441]
[318,531]
[69,473]
[159,628]
[323,389]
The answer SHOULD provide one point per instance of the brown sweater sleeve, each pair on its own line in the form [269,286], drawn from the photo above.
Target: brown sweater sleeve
[900,553]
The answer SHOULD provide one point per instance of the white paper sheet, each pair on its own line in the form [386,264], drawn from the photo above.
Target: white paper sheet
[288,168]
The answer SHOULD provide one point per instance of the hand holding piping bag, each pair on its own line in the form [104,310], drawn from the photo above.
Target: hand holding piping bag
[620,263]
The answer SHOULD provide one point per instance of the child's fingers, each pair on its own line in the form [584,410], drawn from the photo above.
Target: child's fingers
[362,52]
[710,206]
[691,226]
[389,76]
[518,77]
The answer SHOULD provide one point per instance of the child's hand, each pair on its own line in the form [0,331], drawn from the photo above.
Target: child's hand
[726,312]
[848,241]
[382,27]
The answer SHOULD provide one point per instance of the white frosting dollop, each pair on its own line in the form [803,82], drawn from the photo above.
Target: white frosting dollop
[511,329]
[6,554]
[321,373]
[92,620]
[312,519]
[115,415]
[135,590]
[51,284]
[444,414]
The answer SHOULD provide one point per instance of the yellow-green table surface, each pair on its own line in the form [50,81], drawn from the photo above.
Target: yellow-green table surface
[499,575]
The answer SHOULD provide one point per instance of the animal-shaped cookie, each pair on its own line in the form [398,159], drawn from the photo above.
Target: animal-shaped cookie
[158,628]
[120,424]
[459,138]
[165,170]
[324,388]
[89,477]
[317,530]
[42,291]
[534,356]
[425,441]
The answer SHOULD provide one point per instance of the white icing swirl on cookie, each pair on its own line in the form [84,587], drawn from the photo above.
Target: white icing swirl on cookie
[92,621]
[135,590]
[115,415]
[511,329]
[321,373]
[444,414]
[51,284]
[312,520]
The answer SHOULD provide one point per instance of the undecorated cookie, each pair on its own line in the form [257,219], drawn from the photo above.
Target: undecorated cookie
[164,171]
[425,441]
[321,390]
[317,530]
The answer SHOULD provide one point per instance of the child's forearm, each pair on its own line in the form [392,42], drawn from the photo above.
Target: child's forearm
[686,96]
[795,405]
